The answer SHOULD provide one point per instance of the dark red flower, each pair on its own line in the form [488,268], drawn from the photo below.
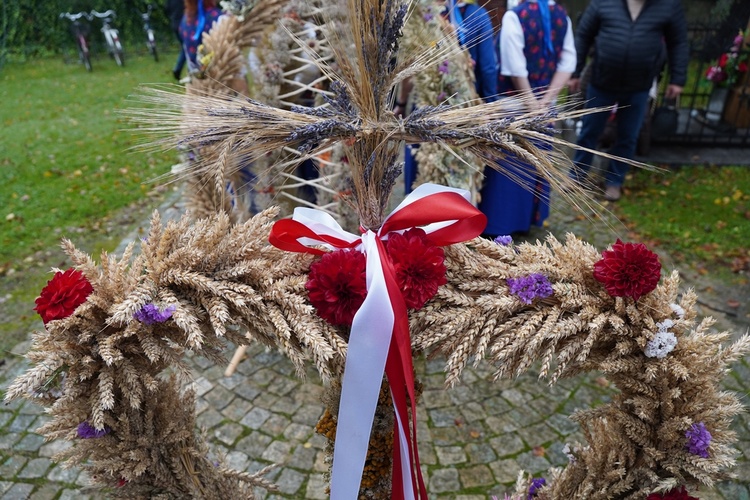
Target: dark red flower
[63,293]
[628,270]
[723,60]
[420,266]
[674,494]
[337,285]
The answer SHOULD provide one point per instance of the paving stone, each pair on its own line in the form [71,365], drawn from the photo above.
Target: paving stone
[444,417]
[12,466]
[505,471]
[436,398]
[31,409]
[228,433]
[540,434]
[262,377]
[444,480]
[276,424]
[52,448]
[209,418]
[298,432]
[5,417]
[35,469]
[444,436]
[236,410]
[480,453]
[60,475]
[231,382]
[286,405]
[255,418]
[450,455]
[427,455]
[22,423]
[532,463]
[83,479]
[290,481]
[219,397]
[237,460]
[19,491]
[562,424]
[302,458]
[253,444]
[202,386]
[316,487]
[471,497]
[46,492]
[5,486]
[8,440]
[321,464]
[277,452]
[246,391]
[265,399]
[201,405]
[30,442]
[472,411]
[309,415]
[514,397]
[477,475]
[282,386]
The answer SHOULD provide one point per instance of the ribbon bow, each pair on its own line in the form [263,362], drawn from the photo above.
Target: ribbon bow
[379,340]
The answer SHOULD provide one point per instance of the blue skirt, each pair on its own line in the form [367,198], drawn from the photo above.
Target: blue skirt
[512,208]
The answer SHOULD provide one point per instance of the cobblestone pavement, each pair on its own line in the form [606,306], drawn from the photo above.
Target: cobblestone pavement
[474,438]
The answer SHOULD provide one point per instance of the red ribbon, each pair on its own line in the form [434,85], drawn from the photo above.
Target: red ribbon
[447,218]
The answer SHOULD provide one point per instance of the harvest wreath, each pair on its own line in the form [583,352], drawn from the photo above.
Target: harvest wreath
[107,363]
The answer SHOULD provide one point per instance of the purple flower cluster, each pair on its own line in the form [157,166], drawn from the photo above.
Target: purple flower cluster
[443,68]
[150,314]
[528,288]
[504,240]
[536,484]
[87,431]
[698,439]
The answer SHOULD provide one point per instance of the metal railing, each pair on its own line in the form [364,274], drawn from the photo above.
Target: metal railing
[709,115]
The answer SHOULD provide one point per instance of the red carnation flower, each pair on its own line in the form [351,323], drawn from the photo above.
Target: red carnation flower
[63,293]
[420,266]
[674,494]
[337,285]
[628,270]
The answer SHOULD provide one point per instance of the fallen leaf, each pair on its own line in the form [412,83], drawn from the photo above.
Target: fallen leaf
[733,303]
[538,451]
[475,434]
[601,382]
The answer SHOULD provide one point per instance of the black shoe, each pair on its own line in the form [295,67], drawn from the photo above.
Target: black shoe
[176,74]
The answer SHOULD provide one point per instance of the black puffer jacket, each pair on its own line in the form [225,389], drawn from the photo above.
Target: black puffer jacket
[629,54]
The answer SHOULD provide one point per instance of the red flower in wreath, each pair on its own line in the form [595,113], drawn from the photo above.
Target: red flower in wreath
[63,293]
[420,266]
[674,494]
[337,285]
[628,270]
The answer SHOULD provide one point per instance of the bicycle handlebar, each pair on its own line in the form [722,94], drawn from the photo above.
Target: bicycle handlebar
[102,15]
[75,17]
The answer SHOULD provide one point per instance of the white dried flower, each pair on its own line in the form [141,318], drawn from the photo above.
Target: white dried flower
[678,310]
[662,344]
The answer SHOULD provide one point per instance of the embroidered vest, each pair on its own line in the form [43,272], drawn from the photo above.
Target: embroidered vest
[540,66]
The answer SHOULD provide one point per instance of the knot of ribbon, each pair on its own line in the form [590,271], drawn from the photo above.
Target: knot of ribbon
[379,341]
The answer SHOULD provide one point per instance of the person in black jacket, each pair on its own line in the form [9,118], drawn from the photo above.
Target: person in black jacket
[628,39]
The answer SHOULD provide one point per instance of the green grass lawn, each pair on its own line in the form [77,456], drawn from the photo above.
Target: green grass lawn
[699,214]
[66,169]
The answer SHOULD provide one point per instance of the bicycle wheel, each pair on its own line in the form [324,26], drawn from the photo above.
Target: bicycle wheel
[86,60]
[119,56]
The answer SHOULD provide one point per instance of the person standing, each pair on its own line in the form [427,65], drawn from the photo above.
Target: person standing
[174,10]
[199,17]
[628,38]
[537,57]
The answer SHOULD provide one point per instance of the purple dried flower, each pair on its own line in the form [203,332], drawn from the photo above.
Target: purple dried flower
[504,240]
[88,431]
[441,96]
[528,288]
[536,484]
[698,439]
[427,16]
[443,68]
[150,314]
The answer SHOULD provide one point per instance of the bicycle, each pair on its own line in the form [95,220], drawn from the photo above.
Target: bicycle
[150,39]
[80,32]
[111,35]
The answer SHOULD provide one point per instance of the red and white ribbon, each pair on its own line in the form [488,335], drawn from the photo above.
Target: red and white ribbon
[379,341]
